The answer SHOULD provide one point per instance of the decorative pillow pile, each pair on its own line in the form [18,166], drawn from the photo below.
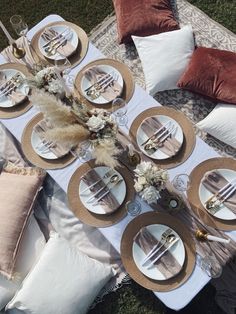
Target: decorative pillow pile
[211,72]
[164,57]
[143,18]
[63,281]
[18,190]
[33,242]
[220,123]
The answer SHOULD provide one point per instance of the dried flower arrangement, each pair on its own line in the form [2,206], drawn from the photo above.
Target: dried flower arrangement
[151,179]
[73,125]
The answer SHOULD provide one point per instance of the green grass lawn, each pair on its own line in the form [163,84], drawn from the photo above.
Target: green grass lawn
[130,299]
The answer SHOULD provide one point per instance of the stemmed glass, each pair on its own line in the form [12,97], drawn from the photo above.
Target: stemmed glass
[83,151]
[181,182]
[133,207]
[119,109]
[19,25]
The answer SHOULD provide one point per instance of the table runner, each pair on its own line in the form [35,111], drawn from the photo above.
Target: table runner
[138,103]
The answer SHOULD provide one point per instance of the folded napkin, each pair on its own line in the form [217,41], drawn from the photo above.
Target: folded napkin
[57,149]
[213,182]
[167,264]
[170,146]
[66,49]
[15,96]
[28,59]
[112,91]
[109,202]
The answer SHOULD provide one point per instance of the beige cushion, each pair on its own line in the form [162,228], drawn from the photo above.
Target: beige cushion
[18,190]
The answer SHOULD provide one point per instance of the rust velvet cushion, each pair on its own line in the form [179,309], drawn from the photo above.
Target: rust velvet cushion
[212,73]
[18,190]
[143,18]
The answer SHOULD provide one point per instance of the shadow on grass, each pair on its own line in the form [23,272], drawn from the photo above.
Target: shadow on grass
[133,299]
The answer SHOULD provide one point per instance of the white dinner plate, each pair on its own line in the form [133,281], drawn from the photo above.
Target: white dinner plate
[119,191]
[142,137]
[177,250]
[59,29]
[6,102]
[41,149]
[85,83]
[224,212]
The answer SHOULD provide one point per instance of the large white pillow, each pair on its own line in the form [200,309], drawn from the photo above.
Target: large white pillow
[164,57]
[220,123]
[32,244]
[63,281]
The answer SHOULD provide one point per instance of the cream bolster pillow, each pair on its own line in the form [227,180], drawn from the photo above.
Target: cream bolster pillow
[63,281]
[164,57]
[33,242]
[220,123]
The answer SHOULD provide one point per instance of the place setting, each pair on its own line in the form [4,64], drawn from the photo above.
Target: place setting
[60,40]
[39,150]
[213,192]
[98,194]
[163,135]
[14,90]
[102,81]
[157,251]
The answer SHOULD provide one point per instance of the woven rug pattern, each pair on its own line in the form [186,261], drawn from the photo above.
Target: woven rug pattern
[208,33]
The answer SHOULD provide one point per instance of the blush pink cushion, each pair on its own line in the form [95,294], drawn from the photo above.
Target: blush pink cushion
[212,73]
[143,18]
[18,190]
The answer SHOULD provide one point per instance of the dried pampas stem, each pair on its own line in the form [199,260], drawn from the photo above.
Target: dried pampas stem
[53,109]
[105,152]
[70,136]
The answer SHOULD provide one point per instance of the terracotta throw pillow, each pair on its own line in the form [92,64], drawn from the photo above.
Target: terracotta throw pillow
[18,190]
[143,18]
[211,72]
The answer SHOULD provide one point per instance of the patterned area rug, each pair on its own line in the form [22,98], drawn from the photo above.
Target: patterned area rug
[208,33]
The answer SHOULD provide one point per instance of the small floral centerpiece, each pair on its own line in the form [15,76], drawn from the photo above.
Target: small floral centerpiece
[150,181]
[47,79]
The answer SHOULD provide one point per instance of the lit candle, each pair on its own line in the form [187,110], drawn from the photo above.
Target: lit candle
[131,150]
[217,239]
[10,39]
[66,88]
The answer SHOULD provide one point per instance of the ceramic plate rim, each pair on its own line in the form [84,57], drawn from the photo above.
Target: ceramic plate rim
[23,85]
[120,79]
[57,56]
[219,213]
[181,135]
[98,211]
[148,272]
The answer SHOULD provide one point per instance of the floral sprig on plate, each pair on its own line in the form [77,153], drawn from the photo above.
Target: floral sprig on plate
[151,179]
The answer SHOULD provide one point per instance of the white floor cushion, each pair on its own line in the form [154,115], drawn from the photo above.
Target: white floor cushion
[220,123]
[63,281]
[31,247]
[164,57]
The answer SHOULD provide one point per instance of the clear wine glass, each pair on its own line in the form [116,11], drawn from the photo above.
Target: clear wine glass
[181,182]
[133,207]
[63,65]
[209,266]
[83,151]
[19,25]
[119,109]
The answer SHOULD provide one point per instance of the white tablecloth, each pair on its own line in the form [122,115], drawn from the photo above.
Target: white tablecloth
[140,101]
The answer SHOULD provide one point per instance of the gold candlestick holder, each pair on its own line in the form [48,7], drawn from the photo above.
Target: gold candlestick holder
[201,235]
[18,52]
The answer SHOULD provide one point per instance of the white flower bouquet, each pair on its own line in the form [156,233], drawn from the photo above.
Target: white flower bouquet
[150,181]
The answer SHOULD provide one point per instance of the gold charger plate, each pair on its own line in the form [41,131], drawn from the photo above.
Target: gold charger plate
[33,157]
[128,87]
[130,232]
[80,211]
[15,111]
[189,140]
[193,192]
[80,52]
